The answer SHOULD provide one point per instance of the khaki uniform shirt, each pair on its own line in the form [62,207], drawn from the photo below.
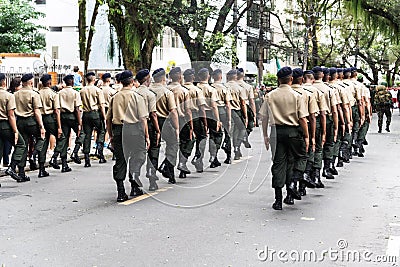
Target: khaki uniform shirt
[343,95]
[329,94]
[27,101]
[149,98]
[126,106]
[92,97]
[108,92]
[319,96]
[50,101]
[358,94]
[351,91]
[165,100]
[224,94]
[286,106]
[210,94]
[69,99]
[308,97]
[196,96]
[7,102]
[249,90]
[181,96]
[238,94]
[117,87]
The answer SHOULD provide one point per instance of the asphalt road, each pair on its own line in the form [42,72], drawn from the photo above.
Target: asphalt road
[222,217]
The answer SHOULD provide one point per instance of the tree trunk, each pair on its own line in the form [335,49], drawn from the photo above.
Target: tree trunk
[90,35]
[315,48]
[82,29]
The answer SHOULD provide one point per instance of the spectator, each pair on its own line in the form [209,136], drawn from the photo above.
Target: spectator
[77,77]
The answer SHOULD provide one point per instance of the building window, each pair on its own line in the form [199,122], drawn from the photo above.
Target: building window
[40,2]
[55,29]
[253,16]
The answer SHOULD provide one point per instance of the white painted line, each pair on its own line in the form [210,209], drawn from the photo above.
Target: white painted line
[393,248]
[394,224]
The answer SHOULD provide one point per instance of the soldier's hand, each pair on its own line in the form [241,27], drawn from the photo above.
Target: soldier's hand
[16,138]
[229,126]
[177,134]
[147,143]
[191,134]
[158,138]
[313,144]
[246,122]
[323,140]
[307,141]
[335,134]
[362,121]
[219,126]
[79,130]
[266,142]
[59,133]
[42,133]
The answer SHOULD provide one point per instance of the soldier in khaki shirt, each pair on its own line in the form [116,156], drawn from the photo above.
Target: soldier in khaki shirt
[287,112]
[70,114]
[52,122]
[250,104]
[361,141]
[239,112]
[93,117]
[198,104]
[29,120]
[107,90]
[127,128]
[225,115]
[168,122]
[143,77]
[9,131]
[183,103]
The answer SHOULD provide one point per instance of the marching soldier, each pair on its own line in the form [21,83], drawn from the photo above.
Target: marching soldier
[198,117]
[239,112]
[117,86]
[143,77]
[9,131]
[183,104]
[93,117]
[168,122]
[213,121]
[52,122]
[384,103]
[29,121]
[70,114]
[361,139]
[250,105]
[225,114]
[127,128]
[288,112]
[107,90]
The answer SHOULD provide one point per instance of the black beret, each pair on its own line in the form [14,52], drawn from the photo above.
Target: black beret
[27,77]
[326,71]
[188,72]
[284,72]
[2,76]
[339,70]
[159,72]
[332,71]
[216,72]
[241,70]
[297,73]
[175,70]
[45,78]
[142,74]
[106,76]
[68,78]
[309,72]
[347,70]
[203,71]
[118,77]
[317,69]
[90,74]
[126,74]
[231,73]
[353,69]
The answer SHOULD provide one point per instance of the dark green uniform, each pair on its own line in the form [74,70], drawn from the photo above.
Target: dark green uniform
[384,104]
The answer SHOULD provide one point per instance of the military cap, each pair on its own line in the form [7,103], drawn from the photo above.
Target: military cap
[68,78]
[26,77]
[308,72]
[284,72]
[317,69]
[216,72]
[332,71]
[90,74]
[339,70]
[297,73]
[346,70]
[142,74]
[45,78]
[353,69]
[188,72]
[326,71]
[118,77]
[203,71]
[241,70]
[158,72]
[231,73]
[126,74]
[2,76]
[106,76]
[175,70]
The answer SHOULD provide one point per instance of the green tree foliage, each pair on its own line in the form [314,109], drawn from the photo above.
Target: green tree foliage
[270,79]
[18,31]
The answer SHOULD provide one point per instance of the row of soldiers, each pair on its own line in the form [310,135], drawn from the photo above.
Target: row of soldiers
[320,119]
[180,112]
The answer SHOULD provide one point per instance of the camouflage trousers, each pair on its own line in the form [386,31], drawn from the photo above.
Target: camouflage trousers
[388,113]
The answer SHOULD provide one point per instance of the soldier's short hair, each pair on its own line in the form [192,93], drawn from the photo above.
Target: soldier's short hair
[203,74]
[2,77]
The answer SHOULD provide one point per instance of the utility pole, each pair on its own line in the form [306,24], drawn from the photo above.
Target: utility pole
[235,34]
[260,64]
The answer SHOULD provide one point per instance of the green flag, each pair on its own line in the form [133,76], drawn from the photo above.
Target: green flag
[278,65]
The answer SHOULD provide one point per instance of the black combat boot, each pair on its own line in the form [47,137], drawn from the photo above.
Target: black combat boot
[53,161]
[100,150]
[122,196]
[361,150]
[135,185]
[22,175]
[387,129]
[171,179]
[153,184]
[278,199]
[64,164]
[317,173]
[326,170]
[87,161]
[289,200]
[246,142]
[332,168]
[164,169]
[306,177]
[75,157]
[228,159]
[152,173]
[215,163]
[42,171]
[380,129]
[302,189]
[197,161]
[182,164]
[340,163]
[237,153]
[12,171]
[292,189]
[32,163]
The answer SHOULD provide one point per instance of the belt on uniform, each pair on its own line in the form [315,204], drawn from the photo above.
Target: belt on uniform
[48,115]
[24,118]
[285,126]
[91,111]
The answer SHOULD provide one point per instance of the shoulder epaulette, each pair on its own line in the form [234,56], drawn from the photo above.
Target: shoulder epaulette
[297,92]
[307,90]
[346,84]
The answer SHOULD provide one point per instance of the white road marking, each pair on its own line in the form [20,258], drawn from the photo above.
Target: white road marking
[393,247]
